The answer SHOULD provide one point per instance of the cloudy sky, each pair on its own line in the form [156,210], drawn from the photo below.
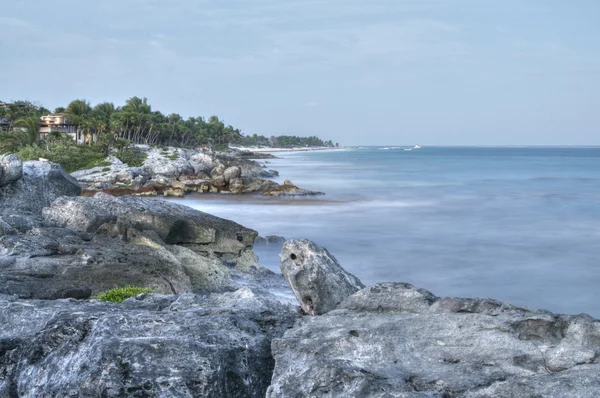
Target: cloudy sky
[433,72]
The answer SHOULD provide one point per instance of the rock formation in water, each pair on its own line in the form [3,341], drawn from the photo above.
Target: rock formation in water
[177,171]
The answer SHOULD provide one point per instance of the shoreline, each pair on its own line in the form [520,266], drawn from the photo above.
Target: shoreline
[176,172]
[271,149]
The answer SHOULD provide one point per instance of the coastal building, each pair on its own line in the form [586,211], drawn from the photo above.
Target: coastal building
[57,122]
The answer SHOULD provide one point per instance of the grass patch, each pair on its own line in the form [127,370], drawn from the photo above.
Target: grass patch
[106,169]
[118,294]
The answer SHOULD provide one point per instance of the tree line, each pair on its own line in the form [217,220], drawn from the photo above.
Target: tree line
[134,122]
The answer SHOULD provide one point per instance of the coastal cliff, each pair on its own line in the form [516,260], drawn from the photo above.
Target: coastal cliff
[211,328]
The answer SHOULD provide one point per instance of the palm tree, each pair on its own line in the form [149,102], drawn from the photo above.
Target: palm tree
[25,131]
[102,114]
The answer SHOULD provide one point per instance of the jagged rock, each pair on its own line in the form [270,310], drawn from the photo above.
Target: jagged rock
[175,224]
[217,171]
[394,340]
[249,168]
[11,169]
[22,201]
[150,346]
[231,173]
[6,228]
[288,189]
[197,171]
[52,263]
[219,182]
[318,281]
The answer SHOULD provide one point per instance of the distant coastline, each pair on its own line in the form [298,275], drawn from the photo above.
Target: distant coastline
[293,149]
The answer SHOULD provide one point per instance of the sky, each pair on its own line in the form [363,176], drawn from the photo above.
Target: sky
[378,72]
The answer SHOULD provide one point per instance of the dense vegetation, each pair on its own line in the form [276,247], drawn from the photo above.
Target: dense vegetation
[134,122]
[119,294]
[284,141]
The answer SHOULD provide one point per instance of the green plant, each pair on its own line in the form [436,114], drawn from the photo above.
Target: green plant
[106,169]
[131,156]
[118,294]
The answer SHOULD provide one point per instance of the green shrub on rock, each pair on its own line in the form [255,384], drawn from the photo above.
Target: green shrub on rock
[118,294]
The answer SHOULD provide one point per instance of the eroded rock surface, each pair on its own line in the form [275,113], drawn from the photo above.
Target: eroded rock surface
[394,340]
[318,281]
[175,224]
[150,346]
[80,246]
[177,171]
[11,169]
[22,200]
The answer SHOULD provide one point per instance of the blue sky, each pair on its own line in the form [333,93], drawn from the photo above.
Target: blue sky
[433,72]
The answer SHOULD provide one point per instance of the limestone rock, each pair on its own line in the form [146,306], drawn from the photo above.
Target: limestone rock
[151,346]
[175,224]
[318,281]
[11,169]
[288,189]
[232,172]
[22,201]
[394,340]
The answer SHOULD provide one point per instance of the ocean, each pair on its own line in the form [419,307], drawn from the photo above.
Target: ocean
[521,225]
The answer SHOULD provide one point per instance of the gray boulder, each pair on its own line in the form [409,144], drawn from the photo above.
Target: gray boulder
[318,281]
[175,224]
[288,189]
[149,346]
[232,172]
[394,340]
[22,201]
[53,263]
[11,169]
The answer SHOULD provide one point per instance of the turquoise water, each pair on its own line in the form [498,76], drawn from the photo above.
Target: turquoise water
[516,224]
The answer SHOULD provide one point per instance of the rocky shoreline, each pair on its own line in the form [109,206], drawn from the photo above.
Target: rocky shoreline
[211,327]
[177,171]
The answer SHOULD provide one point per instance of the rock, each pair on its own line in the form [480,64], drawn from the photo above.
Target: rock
[318,281]
[11,169]
[59,263]
[150,346]
[394,340]
[175,224]
[219,182]
[232,172]
[217,171]
[269,240]
[198,171]
[257,185]
[22,201]
[6,228]
[249,168]
[288,189]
